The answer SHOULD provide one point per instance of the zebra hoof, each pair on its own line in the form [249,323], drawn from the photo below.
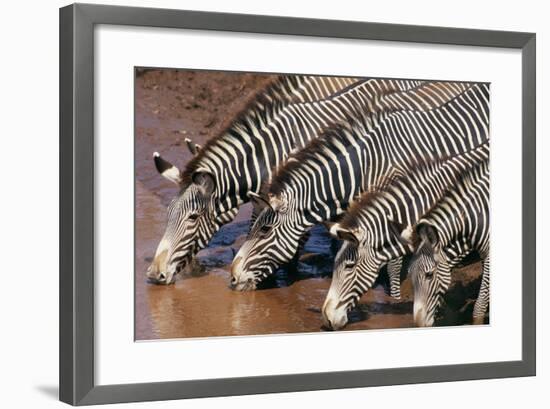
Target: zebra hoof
[478,320]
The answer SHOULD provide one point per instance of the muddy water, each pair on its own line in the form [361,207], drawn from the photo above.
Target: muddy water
[174,105]
[201,304]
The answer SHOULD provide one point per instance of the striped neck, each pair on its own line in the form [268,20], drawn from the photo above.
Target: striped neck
[407,197]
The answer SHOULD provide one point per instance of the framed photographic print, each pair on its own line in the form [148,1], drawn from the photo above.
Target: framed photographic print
[223,197]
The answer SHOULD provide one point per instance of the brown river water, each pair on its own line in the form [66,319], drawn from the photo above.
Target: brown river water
[171,105]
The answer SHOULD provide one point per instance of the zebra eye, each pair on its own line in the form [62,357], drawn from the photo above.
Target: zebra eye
[265,228]
[429,274]
[349,266]
[193,216]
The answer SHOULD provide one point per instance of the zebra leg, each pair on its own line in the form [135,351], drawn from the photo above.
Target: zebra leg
[482,302]
[394,274]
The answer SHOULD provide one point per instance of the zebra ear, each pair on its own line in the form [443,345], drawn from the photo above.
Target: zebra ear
[405,234]
[341,233]
[193,147]
[259,200]
[205,179]
[166,169]
[276,203]
[427,234]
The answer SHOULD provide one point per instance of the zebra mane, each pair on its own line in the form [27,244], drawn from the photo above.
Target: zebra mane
[330,139]
[350,218]
[260,108]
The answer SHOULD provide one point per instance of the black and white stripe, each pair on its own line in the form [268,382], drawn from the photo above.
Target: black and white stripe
[456,226]
[316,88]
[377,227]
[233,165]
[318,183]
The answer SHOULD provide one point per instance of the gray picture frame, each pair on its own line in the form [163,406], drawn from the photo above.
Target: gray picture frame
[76,288]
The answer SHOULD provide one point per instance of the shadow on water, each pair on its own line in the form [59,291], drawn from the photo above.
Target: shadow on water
[220,251]
[387,308]
[315,261]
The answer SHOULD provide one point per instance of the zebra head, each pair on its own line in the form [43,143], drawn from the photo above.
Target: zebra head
[273,240]
[427,272]
[355,268]
[190,223]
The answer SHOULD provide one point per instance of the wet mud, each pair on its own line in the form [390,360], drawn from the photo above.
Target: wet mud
[174,104]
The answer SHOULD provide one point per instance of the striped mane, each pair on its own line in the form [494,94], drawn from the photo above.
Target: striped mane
[349,220]
[259,110]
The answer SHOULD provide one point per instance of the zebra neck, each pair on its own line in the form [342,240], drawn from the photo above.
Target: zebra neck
[246,141]
[225,216]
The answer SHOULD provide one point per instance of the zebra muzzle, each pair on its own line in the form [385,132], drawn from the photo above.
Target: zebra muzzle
[334,318]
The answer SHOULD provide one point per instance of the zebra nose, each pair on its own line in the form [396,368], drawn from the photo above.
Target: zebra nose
[235,266]
[235,271]
[419,318]
[152,273]
[162,277]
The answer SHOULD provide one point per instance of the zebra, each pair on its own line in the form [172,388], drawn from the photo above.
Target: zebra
[316,88]
[456,226]
[283,90]
[318,183]
[233,165]
[373,226]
